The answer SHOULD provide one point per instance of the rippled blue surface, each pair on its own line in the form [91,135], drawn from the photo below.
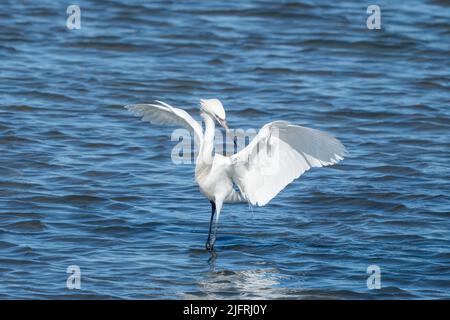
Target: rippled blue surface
[84,183]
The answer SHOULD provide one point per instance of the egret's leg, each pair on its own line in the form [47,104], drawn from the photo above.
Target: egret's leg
[212,238]
[208,242]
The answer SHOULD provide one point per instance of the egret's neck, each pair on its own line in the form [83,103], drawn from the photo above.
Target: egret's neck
[206,150]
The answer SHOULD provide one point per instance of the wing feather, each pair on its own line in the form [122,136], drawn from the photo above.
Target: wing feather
[280,153]
[164,114]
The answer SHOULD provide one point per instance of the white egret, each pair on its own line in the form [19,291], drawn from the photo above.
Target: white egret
[278,154]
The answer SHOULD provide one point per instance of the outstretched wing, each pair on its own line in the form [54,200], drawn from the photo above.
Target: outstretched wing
[164,114]
[280,153]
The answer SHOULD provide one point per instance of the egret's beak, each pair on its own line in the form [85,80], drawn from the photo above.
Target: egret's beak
[224,124]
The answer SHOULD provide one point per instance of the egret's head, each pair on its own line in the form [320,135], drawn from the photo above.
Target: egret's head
[215,109]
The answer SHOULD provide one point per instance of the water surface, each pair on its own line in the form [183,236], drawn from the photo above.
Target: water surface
[82,182]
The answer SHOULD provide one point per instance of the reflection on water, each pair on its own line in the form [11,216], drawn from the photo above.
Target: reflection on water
[248,284]
[240,284]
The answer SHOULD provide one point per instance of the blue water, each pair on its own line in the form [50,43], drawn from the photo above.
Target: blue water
[82,182]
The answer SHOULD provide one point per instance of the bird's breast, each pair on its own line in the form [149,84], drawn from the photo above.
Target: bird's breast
[213,180]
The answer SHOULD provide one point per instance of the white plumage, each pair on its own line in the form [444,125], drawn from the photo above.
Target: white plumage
[280,153]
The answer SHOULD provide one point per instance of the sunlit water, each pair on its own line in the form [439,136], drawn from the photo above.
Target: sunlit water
[82,182]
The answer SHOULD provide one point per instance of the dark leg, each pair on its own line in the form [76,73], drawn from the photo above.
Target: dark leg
[209,243]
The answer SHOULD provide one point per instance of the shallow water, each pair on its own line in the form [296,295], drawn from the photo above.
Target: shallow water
[82,182]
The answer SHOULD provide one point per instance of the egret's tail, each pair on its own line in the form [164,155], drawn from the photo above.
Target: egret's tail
[235,196]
